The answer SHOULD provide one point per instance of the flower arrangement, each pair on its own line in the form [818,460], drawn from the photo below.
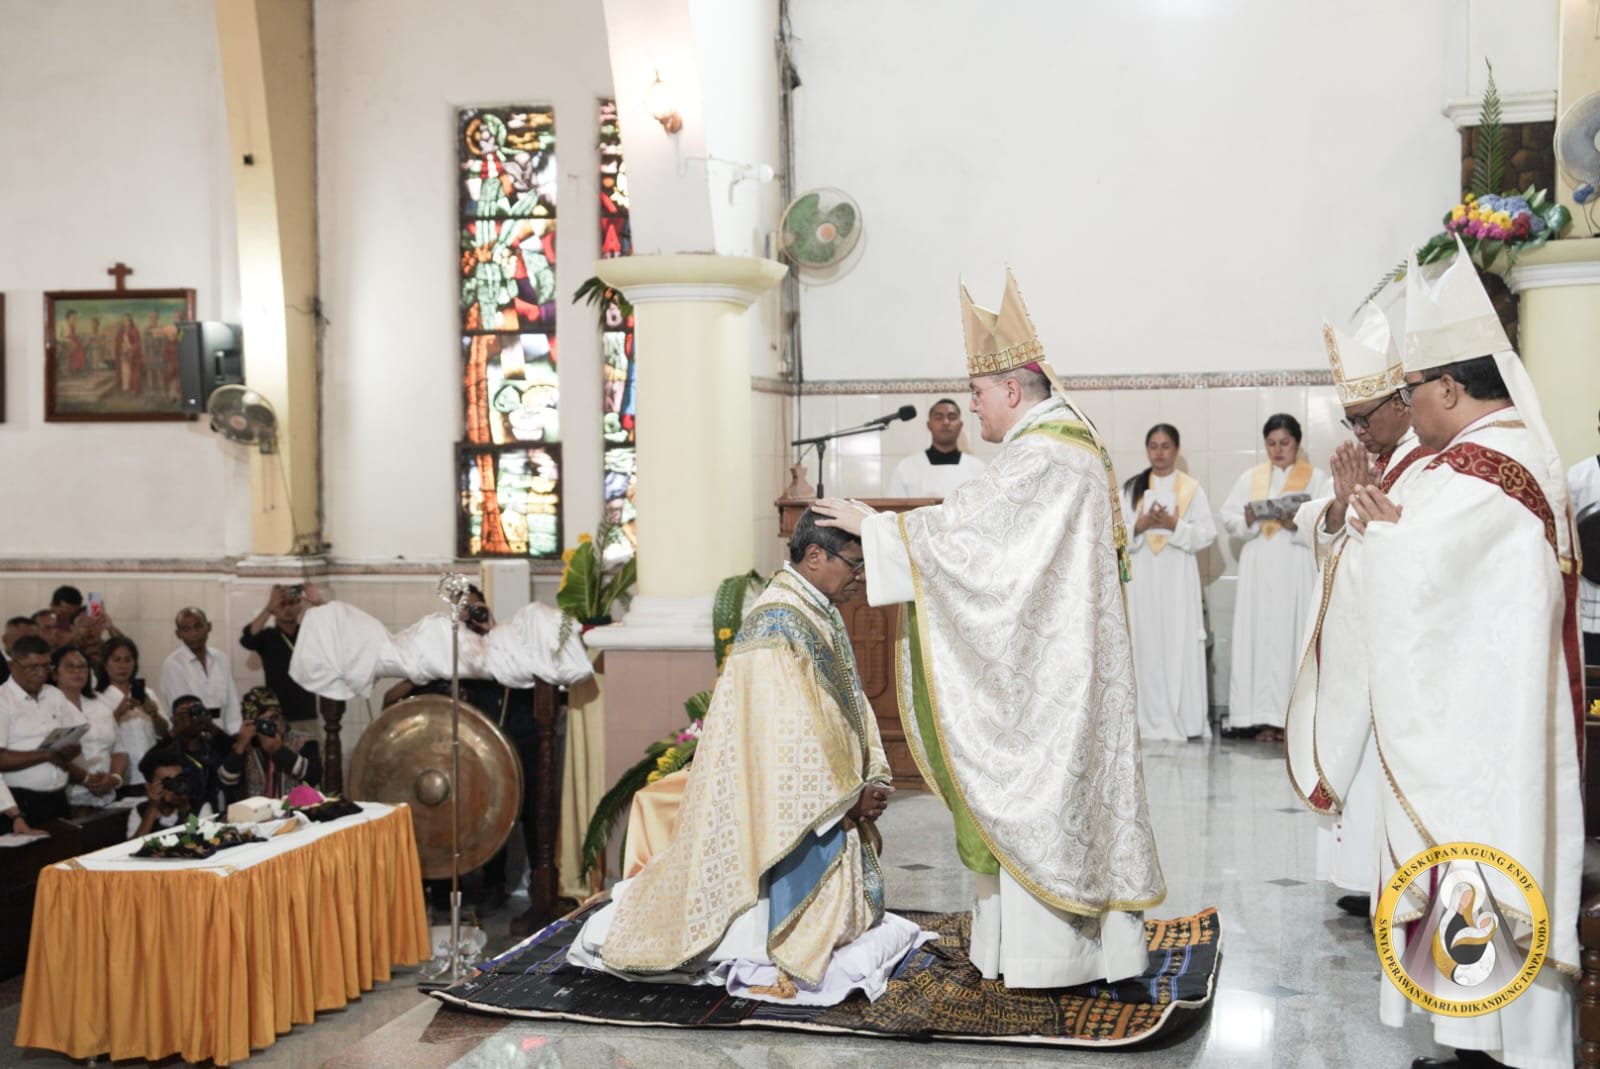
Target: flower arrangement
[1487,223]
[589,587]
[196,839]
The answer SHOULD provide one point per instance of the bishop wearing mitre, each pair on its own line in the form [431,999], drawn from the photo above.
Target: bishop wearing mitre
[1016,672]
[1332,761]
[1476,678]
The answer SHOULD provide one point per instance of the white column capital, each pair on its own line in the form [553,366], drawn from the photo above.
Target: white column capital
[691,277]
[1568,262]
[657,623]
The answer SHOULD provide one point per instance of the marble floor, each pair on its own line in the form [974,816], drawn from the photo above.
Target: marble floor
[1298,985]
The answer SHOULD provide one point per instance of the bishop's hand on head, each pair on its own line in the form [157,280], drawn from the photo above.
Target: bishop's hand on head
[845,515]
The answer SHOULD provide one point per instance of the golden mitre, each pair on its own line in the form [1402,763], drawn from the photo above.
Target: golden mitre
[1365,362]
[999,341]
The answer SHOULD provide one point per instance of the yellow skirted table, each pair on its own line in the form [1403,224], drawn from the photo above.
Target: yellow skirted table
[211,959]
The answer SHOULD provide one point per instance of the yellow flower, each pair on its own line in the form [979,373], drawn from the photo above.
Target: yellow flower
[566,557]
[652,777]
[585,538]
[1458,212]
[1503,218]
[725,634]
[1469,198]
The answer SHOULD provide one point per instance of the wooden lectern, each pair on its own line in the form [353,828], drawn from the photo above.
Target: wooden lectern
[872,634]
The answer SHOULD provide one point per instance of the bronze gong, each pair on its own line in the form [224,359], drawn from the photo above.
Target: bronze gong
[404,756]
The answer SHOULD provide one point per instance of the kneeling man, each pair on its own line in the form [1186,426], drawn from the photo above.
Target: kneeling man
[770,883]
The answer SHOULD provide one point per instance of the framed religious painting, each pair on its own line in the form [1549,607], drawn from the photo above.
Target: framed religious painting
[113,354]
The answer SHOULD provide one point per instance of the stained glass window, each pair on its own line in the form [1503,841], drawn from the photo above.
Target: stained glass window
[616,340]
[510,501]
[509,476]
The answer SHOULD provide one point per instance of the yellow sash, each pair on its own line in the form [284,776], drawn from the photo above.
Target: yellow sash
[1183,488]
[1261,487]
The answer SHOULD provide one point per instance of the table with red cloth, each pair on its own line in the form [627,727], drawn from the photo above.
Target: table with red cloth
[211,959]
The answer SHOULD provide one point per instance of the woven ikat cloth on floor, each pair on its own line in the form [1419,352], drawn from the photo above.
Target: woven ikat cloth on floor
[934,994]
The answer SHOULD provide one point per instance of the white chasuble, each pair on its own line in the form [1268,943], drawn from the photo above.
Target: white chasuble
[1327,736]
[1017,690]
[1165,609]
[788,744]
[1472,706]
[1277,583]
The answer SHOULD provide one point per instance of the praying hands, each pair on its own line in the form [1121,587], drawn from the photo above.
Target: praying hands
[1372,506]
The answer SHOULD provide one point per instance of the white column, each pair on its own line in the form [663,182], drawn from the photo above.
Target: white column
[1557,324]
[694,499]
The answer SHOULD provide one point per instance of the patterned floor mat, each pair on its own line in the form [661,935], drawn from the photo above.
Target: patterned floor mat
[935,993]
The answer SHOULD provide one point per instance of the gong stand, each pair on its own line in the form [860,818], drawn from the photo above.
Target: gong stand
[450,969]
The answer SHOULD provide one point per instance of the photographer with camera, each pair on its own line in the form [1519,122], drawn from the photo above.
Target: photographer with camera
[274,644]
[268,759]
[202,746]
[169,794]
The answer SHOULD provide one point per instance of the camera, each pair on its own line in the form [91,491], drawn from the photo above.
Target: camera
[266,726]
[295,592]
[136,690]
[477,614]
[178,785]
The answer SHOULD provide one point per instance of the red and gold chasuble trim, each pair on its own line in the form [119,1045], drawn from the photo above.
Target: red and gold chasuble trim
[1518,483]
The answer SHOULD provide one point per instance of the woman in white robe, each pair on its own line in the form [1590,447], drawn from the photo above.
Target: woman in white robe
[1277,580]
[1169,518]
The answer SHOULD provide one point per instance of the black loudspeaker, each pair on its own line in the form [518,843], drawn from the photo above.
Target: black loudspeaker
[209,355]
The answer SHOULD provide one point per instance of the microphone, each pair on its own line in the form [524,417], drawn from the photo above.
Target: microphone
[905,412]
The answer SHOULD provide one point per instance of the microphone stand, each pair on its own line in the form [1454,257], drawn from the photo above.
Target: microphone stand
[450,969]
[821,442]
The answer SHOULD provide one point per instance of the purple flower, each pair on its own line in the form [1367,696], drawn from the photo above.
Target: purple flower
[1514,206]
[1584,193]
[1536,225]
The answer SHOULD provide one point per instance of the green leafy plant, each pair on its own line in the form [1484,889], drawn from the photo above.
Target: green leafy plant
[1489,224]
[589,588]
[594,291]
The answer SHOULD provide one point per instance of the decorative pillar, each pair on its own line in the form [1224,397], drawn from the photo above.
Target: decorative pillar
[1559,321]
[267,53]
[695,499]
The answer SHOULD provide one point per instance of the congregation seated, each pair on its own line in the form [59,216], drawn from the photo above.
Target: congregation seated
[135,706]
[268,758]
[102,755]
[30,709]
[171,787]
[15,628]
[14,822]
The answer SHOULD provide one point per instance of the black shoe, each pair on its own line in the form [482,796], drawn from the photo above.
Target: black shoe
[1356,905]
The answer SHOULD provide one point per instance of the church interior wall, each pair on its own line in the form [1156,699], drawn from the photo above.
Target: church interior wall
[1209,183]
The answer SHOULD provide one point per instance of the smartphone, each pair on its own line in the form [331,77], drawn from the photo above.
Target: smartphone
[94,603]
[136,690]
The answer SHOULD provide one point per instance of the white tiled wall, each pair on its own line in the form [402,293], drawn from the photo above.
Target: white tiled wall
[1220,428]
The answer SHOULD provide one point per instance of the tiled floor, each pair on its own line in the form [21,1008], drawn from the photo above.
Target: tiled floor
[1298,985]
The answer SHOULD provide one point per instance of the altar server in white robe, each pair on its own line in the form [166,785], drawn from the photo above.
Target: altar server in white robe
[1169,520]
[944,465]
[1277,580]
[1016,673]
[1333,763]
[1476,693]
